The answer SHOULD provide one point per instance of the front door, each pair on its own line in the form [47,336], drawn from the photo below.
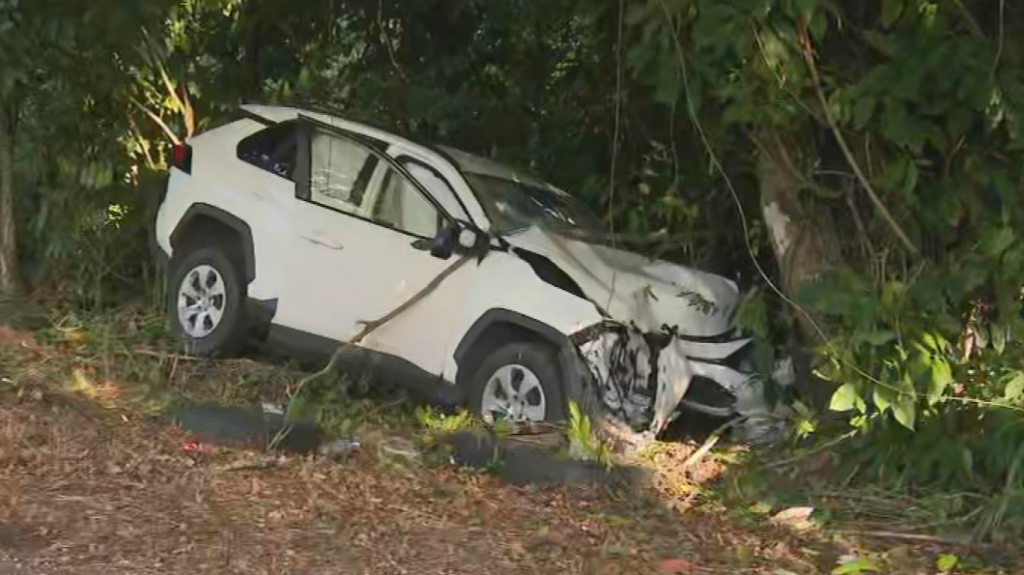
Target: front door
[361,234]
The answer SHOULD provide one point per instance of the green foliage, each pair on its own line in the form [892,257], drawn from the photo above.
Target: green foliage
[583,442]
[433,420]
[946,562]
[856,566]
[922,350]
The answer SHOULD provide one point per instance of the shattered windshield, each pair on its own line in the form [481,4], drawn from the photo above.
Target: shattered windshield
[514,205]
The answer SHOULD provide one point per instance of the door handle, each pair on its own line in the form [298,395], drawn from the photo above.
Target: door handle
[323,240]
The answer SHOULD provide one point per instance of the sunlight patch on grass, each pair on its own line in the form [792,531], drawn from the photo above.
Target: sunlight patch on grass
[105,393]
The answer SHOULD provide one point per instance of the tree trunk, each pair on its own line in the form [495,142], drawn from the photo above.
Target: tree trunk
[252,65]
[9,273]
[805,246]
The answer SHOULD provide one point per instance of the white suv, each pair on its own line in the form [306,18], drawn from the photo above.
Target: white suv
[294,228]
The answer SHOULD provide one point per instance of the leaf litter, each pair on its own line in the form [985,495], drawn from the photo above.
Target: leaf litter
[93,485]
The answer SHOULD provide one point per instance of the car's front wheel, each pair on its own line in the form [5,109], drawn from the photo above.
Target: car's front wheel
[519,382]
[204,299]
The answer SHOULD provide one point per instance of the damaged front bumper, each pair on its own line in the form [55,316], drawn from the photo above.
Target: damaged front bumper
[645,379]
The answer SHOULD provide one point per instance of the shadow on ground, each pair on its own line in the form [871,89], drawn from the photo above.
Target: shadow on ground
[96,482]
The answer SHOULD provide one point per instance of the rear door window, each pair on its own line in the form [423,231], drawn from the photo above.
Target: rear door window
[340,171]
[272,149]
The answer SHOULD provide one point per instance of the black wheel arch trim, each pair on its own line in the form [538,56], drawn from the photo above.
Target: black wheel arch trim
[503,316]
[234,222]
[569,360]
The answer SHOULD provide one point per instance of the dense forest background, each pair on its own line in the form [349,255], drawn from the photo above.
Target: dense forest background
[856,164]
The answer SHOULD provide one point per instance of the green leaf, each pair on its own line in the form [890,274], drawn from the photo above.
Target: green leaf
[862,111]
[891,11]
[903,128]
[880,42]
[845,398]
[1014,390]
[857,566]
[997,242]
[905,411]
[882,396]
[942,376]
[999,335]
[895,172]
[910,178]
[946,562]
[878,337]
[574,414]
[818,25]
[934,342]
[805,8]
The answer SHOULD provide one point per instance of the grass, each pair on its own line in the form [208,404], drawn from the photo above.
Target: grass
[94,482]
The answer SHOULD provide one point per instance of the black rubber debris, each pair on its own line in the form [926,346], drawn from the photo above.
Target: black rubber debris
[246,427]
[523,464]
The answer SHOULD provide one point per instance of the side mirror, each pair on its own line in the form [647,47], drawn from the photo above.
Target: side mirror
[457,237]
[444,242]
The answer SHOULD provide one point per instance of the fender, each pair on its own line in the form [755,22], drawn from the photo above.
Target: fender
[200,210]
[503,316]
[569,361]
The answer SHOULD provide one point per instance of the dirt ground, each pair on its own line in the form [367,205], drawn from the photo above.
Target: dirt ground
[85,491]
[88,485]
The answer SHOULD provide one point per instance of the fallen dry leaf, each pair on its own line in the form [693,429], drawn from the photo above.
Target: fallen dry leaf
[676,565]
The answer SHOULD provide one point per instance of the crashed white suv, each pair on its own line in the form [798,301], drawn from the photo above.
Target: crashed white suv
[295,228]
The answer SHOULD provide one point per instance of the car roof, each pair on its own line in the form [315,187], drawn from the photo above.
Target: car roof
[463,160]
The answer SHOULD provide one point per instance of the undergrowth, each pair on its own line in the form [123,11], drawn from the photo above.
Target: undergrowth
[958,475]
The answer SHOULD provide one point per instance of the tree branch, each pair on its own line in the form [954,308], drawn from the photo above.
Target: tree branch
[865,239]
[158,121]
[372,326]
[182,102]
[808,54]
[1002,32]
[971,22]
[143,143]
[368,328]
[387,41]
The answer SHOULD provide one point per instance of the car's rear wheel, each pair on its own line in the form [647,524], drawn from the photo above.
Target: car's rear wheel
[519,382]
[205,302]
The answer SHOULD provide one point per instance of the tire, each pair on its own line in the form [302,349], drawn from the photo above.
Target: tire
[227,334]
[504,362]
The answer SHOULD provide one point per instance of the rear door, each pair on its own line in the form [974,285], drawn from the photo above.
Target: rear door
[361,232]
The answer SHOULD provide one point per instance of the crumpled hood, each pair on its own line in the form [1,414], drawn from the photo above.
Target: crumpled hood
[633,288]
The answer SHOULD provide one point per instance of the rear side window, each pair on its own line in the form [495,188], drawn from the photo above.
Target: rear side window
[272,149]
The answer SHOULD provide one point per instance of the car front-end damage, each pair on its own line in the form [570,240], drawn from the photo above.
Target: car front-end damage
[666,343]
[645,379]
[665,339]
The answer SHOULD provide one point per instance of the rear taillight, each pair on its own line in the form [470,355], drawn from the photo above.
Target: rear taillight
[181,157]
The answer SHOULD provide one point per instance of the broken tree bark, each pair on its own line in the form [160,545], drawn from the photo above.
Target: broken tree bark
[805,246]
[9,272]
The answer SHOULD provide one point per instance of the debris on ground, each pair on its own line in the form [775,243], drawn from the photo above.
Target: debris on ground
[93,486]
[247,427]
[339,449]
